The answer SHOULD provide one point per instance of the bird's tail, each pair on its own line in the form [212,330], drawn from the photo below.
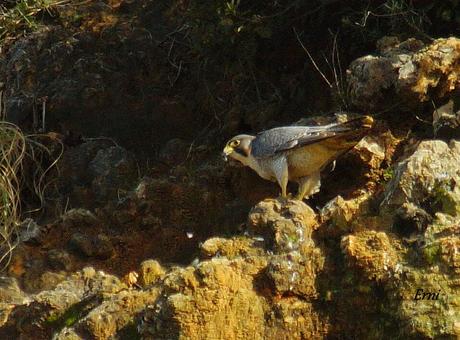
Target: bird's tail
[348,134]
[360,123]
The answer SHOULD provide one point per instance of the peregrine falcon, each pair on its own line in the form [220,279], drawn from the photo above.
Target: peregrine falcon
[297,153]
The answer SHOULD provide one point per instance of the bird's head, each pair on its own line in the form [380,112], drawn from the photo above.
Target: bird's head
[239,148]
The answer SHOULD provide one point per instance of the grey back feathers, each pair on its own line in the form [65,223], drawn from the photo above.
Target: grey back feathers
[270,142]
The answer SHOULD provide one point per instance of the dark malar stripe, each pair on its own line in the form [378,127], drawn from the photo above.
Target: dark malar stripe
[241,152]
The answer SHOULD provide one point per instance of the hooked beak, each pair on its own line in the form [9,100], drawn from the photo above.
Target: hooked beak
[227,151]
[368,121]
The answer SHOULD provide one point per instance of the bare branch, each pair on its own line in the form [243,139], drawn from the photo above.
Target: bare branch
[311,59]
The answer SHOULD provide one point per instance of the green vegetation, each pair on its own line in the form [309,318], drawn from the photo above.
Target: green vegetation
[72,314]
[26,16]
[235,28]
[443,198]
[431,253]
[388,174]
[257,57]
[227,29]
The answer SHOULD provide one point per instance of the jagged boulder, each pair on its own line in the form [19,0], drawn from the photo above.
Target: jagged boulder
[406,73]
[242,276]
[373,253]
[114,316]
[88,304]
[285,227]
[446,119]
[412,249]
[94,172]
[428,181]
[10,296]
[151,271]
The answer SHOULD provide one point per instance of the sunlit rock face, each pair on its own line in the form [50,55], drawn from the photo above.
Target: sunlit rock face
[428,179]
[405,74]
[148,234]
[269,276]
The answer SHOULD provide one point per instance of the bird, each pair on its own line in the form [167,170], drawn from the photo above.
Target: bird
[297,153]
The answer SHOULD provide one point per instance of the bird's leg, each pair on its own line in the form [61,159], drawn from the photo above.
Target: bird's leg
[308,186]
[283,185]
[283,181]
[282,175]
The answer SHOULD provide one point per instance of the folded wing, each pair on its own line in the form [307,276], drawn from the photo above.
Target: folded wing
[270,142]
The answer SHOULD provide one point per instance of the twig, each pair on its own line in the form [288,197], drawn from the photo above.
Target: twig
[339,83]
[423,120]
[2,106]
[43,114]
[171,47]
[179,69]
[34,117]
[257,86]
[311,59]
[177,30]
[287,9]
[102,138]
[412,25]
[255,82]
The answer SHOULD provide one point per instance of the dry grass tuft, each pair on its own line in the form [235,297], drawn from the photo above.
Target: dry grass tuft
[17,149]
[12,153]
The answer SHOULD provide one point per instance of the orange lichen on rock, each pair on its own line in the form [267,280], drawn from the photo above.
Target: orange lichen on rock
[409,73]
[450,252]
[438,69]
[372,252]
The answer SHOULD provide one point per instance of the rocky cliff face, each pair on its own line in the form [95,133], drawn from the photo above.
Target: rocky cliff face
[410,70]
[168,242]
[293,273]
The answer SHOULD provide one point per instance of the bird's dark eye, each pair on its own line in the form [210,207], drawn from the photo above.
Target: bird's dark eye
[234,143]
